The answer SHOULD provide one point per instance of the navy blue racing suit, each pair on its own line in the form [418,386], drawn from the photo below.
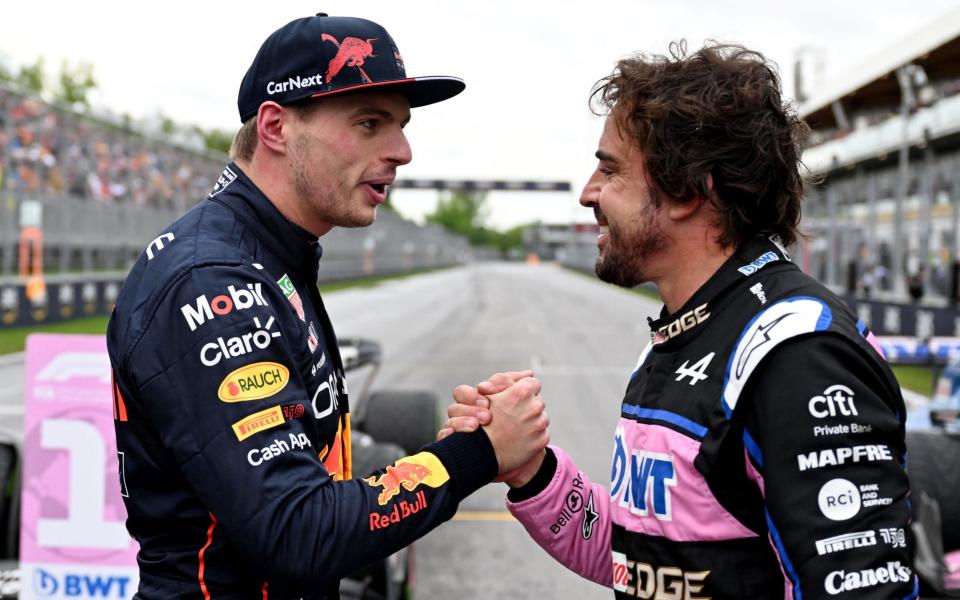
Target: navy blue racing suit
[233,423]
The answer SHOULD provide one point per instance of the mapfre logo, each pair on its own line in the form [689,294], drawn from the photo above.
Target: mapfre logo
[203,310]
[258,421]
[253,382]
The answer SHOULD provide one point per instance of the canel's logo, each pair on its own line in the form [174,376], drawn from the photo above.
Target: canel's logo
[253,382]
[640,478]
[204,310]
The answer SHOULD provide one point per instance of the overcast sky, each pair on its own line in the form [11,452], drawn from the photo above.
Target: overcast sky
[529,66]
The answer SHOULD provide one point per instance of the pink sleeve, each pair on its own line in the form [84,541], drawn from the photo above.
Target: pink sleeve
[570,519]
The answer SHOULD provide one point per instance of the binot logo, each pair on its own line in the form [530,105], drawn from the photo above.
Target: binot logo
[44,584]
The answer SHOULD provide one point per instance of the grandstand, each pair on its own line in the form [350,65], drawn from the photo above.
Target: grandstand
[81,196]
[886,143]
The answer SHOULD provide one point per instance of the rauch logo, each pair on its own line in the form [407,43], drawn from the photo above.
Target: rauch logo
[253,382]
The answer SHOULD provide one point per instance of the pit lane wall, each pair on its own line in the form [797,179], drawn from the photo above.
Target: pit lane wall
[103,245]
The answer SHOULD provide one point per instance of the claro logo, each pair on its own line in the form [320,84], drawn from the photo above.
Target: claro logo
[253,382]
[204,310]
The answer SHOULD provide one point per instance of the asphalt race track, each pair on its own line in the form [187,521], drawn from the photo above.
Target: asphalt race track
[581,337]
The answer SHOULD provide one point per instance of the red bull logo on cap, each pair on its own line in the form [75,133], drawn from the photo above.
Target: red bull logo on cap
[409,473]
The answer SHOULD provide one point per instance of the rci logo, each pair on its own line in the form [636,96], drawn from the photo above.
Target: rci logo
[47,584]
[203,310]
[253,382]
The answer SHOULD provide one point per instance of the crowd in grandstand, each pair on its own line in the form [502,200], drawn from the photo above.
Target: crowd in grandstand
[49,151]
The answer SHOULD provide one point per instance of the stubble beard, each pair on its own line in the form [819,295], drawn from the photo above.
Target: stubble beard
[321,200]
[628,249]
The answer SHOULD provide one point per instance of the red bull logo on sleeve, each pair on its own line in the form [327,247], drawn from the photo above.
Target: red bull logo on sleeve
[409,473]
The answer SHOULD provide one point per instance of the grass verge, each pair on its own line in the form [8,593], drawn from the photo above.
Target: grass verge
[15,339]
[915,378]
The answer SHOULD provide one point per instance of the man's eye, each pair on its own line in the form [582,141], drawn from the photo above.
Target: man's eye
[370,124]
[606,172]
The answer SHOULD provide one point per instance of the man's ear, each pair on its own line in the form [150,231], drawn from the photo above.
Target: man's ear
[270,131]
[680,211]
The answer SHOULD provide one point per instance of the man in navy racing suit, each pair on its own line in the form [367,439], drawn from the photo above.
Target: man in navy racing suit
[232,418]
[760,447]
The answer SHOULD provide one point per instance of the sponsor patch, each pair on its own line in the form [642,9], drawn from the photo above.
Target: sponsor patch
[837,400]
[839,500]
[294,441]
[401,510]
[847,541]
[225,179]
[258,421]
[684,322]
[761,261]
[641,480]
[290,292]
[253,382]
[838,582]
[572,505]
[240,345]
[832,457]
[409,473]
[204,309]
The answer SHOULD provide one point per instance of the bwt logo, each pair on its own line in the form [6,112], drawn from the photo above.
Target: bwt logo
[222,305]
[642,477]
[79,585]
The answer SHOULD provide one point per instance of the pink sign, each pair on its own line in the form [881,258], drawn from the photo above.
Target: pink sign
[73,542]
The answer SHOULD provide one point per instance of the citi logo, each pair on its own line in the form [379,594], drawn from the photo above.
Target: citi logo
[294,83]
[204,310]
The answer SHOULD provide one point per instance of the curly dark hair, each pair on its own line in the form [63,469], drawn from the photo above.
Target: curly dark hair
[715,112]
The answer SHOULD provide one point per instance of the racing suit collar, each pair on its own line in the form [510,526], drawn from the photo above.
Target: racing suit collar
[751,256]
[297,247]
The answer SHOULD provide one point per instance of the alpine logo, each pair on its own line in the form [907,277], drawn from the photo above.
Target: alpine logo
[696,372]
[204,310]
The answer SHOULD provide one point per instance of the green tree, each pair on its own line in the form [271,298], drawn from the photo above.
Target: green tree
[462,213]
[32,77]
[217,140]
[75,84]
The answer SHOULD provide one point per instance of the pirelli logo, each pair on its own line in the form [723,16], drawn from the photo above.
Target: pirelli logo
[258,421]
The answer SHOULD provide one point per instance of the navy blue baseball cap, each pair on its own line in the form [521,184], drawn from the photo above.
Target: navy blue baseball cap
[322,56]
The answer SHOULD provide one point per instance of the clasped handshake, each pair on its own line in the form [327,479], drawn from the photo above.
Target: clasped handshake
[509,408]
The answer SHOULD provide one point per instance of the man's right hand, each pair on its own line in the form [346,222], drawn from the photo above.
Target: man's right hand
[518,431]
[470,408]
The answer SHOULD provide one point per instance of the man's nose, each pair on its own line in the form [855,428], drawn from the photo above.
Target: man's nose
[591,191]
[400,151]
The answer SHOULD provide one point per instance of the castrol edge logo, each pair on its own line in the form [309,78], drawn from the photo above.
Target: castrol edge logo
[253,382]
